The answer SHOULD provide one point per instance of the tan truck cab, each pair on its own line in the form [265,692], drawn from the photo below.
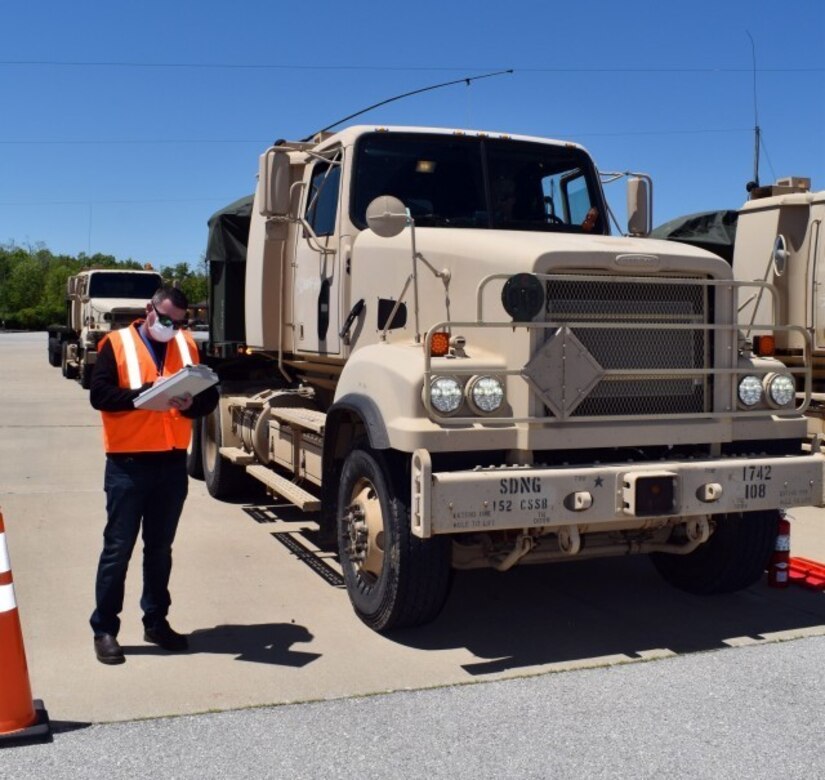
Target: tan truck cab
[97,302]
[448,355]
[779,239]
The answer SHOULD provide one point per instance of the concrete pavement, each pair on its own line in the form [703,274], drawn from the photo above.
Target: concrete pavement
[270,622]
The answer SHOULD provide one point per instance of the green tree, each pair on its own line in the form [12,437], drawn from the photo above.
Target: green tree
[54,288]
[25,284]
[33,282]
[193,284]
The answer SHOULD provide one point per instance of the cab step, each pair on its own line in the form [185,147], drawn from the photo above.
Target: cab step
[284,488]
[307,419]
[237,455]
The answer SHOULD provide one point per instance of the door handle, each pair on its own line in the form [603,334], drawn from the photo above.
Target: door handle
[351,317]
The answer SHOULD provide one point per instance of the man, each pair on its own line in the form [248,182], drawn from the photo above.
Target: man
[145,480]
[504,201]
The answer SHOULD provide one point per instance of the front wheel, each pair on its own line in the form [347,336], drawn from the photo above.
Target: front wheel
[223,478]
[393,578]
[54,351]
[69,369]
[194,456]
[734,557]
[86,376]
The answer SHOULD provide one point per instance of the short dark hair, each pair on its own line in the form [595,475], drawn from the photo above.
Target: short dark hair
[175,295]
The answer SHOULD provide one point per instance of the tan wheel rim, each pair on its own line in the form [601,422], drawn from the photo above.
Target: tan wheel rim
[366,529]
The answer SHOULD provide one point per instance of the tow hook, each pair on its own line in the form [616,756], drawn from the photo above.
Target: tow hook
[698,529]
[524,544]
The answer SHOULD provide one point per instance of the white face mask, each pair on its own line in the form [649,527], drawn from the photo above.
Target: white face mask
[160,332]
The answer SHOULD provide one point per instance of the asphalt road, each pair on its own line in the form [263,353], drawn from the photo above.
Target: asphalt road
[271,625]
[754,712]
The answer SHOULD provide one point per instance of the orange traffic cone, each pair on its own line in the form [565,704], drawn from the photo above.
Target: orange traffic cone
[779,564]
[21,718]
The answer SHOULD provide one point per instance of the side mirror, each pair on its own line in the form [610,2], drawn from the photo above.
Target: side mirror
[387,216]
[273,183]
[639,206]
[779,256]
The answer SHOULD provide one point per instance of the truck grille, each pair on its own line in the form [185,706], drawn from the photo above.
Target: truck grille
[123,317]
[605,302]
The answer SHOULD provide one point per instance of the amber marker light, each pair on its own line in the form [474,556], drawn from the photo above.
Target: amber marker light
[764,346]
[439,344]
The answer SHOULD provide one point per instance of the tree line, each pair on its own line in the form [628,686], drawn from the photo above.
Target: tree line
[33,283]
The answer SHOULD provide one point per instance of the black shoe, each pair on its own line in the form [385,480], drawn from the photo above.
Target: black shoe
[166,638]
[107,650]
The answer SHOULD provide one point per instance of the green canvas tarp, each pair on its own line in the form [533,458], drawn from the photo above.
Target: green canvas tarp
[229,232]
[226,256]
[711,230]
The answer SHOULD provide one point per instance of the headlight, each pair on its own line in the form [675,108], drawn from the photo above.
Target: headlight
[485,394]
[445,394]
[750,390]
[781,389]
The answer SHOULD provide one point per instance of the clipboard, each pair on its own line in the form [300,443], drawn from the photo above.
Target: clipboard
[190,379]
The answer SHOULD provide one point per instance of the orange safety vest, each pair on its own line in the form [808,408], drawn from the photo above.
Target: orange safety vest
[142,430]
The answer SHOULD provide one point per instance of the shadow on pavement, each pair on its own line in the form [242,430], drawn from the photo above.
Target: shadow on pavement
[267,643]
[250,492]
[569,613]
[65,726]
[320,550]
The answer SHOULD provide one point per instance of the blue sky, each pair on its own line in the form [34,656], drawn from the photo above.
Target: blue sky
[126,124]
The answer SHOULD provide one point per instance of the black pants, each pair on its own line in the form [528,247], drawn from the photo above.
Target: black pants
[146,490]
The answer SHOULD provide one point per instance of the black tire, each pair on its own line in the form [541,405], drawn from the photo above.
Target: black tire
[393,579]
[223,479]
[86,376]
[194,455]
[54,352]
[69,369]
[735,556]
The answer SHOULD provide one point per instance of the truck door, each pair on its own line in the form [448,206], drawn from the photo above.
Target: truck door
[317,267]
[79,310]
[816,248]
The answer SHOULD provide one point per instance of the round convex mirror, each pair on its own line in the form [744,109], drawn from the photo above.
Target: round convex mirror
[387,216]
[780,255]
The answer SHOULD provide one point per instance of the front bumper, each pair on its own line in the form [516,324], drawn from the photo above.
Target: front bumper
[600,498]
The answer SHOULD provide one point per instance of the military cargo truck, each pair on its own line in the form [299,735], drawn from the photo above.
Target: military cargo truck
[779,239]
[431,338]
[97,301]
[775,238]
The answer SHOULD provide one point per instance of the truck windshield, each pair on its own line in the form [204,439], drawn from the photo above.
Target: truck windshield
[466,182]
[116,284]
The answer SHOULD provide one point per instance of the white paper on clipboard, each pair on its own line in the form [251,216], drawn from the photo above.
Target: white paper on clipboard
[190,379]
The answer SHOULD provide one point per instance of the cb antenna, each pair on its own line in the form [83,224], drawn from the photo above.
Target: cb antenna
[465,80]
[757,133]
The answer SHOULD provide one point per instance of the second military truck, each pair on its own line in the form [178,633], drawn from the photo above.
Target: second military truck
[432,338]
[775,237]
[97,302]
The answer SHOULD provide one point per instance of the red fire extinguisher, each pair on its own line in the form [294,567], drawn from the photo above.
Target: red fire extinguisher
[779,565]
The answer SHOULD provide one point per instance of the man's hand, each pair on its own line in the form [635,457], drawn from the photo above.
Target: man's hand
[181,402]
[590,220]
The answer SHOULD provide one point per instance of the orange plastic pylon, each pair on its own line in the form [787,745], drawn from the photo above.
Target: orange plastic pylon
[808,573]
[21,718]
